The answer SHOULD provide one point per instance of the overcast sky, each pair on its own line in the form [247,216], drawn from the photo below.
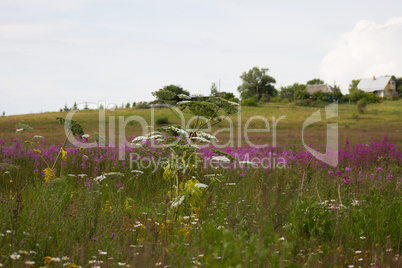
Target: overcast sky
[56,52]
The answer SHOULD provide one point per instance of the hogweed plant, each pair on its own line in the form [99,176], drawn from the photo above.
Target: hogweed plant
[180,169]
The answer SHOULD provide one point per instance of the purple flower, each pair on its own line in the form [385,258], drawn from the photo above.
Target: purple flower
[390,177]
[112,235]
[380,169]
[346,142]
[348,169]
[330,173]
[87,183]
[345,181]
[338,173]
[94,239]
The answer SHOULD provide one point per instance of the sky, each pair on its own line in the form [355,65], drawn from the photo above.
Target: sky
[54,52]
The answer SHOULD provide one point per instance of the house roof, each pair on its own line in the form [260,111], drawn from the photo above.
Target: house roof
[372,84]
[323,87]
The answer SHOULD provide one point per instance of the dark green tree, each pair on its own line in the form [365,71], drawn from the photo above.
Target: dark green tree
[290,92]
[256,83]
[398,84]
[169,94]
[353,85]
[75,107]
[315,81]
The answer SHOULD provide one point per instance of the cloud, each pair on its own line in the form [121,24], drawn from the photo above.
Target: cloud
[370,49]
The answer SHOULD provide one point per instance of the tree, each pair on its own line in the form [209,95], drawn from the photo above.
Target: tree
[315,81]
[169,94]
[75,107]
[291,91]
[398,84]
[256,83]
[214,90]
[353,85]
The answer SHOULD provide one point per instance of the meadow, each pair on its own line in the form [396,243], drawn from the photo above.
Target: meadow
[64,205]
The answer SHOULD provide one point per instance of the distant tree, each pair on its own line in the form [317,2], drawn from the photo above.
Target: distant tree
[255,83]
[134,104]
[227,95]
[4,113]
[315,81]
[128,105]
[398,84]
[353,85]
[101,107]
[322,96]
[302,94]
[290,92]
[214,90]
[169,94]
[86,106]
[66,108]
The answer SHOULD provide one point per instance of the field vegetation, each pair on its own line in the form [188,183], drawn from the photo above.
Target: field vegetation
[186,205]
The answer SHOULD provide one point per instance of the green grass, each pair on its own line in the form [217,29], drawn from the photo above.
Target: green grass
[293,217]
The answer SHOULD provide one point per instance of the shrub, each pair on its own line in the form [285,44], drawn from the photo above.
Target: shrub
[356,95]
[142,105]
[249,102]
[311,103]
[162,120]
[371,98]
[305,102]
[345,98]
[361,105]
[236,100]
[322,96]
[277,98]
[264,98]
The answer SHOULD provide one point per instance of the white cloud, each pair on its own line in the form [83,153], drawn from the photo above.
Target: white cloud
[370,49]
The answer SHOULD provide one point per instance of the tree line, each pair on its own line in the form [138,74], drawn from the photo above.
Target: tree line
[258,87]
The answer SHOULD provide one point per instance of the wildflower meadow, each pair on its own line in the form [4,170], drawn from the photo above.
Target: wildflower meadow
[176,200]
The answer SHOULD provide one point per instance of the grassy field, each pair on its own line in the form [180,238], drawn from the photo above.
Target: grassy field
[285,209]
[379,120]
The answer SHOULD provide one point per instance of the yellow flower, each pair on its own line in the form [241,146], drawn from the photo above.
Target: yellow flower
[72,266]
[47,260]
[63,154]
[49,174]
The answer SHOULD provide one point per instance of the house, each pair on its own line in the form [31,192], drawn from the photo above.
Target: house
[384,87]
[323,87]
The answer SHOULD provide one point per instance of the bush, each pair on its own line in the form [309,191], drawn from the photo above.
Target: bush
[311,103]
[361,105]
[162,120]
[249,102]
[345,99]
[371,98]
[264,99]
[356,95]
[142,105]
[277,98]
[321,96]
[236,100]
